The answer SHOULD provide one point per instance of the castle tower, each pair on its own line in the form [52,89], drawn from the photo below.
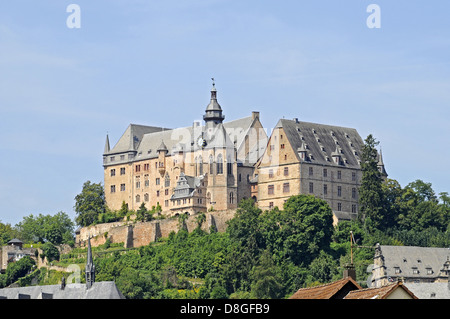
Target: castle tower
[90,267]
[213,114]
[380,166]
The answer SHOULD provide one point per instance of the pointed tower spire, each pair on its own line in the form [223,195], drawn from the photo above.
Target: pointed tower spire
[90,267]
[107,147]
[213,113]
[380,165]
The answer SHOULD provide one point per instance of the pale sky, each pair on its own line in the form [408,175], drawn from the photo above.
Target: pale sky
[150,62]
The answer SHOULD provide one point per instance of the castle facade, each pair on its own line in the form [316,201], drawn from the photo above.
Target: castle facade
[211,166]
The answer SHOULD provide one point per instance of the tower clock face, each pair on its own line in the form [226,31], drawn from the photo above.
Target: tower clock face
[201,142]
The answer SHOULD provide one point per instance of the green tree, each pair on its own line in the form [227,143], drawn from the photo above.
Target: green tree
[50,251]
[371,199]
[89,204]
[266,282]
[144,215]
[6,233]
[301,230]
[57,229]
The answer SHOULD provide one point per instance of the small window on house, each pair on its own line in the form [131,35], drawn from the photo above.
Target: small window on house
[270,189]
[285,187]
[339,207]
[415,270]
[311,187]
[397,270]
[286,171]
[429,271]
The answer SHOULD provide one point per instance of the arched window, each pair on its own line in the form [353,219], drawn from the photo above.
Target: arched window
[146,197]
[219,164]
[211,164]
[195,166]
[200,165]
[138,198]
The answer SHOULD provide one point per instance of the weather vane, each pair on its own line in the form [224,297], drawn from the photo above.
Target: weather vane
[214,84]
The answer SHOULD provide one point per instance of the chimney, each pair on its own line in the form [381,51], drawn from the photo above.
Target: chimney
[349,271]
[255,115]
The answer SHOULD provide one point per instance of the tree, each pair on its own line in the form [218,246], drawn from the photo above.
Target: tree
[89,204]
[144,215]
[301,230]
[57,229]
[371,199]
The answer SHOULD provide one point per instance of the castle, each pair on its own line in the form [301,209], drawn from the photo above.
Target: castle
[213,166]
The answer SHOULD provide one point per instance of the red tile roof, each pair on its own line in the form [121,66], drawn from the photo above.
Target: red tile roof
[327,291]
[378,293]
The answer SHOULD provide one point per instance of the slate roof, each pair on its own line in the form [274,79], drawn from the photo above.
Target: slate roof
[322,141]
[430,290]
[145,140]
[335,290]
[378,293]
[414,262]
[99,290]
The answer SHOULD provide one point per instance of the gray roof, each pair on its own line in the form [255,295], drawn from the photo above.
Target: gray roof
[146,140]
[99,290]
[322,141]
[132,137]
[434,290]
[410,258]
[186,186]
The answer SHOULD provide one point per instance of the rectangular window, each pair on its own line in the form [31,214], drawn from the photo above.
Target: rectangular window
[339,191]
[311,187]
[325,172]
[353,208]
[146,167]
[122,171]
[157,193]
[270,205]
[353,176]
[158,181]
[353,192]
[138,168]
[311,171]
[325,189]
[113,172]
[285,187]
[122,187]
[113,188]
[286,171]
[138,184]
[166,192]
[282,146]
[270,189]
[339,175]
[270,173]
[339,207]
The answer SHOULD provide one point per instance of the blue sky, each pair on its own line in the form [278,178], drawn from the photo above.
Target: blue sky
[150,62]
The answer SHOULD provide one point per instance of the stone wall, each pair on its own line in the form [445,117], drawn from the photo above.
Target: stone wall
[136,234]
